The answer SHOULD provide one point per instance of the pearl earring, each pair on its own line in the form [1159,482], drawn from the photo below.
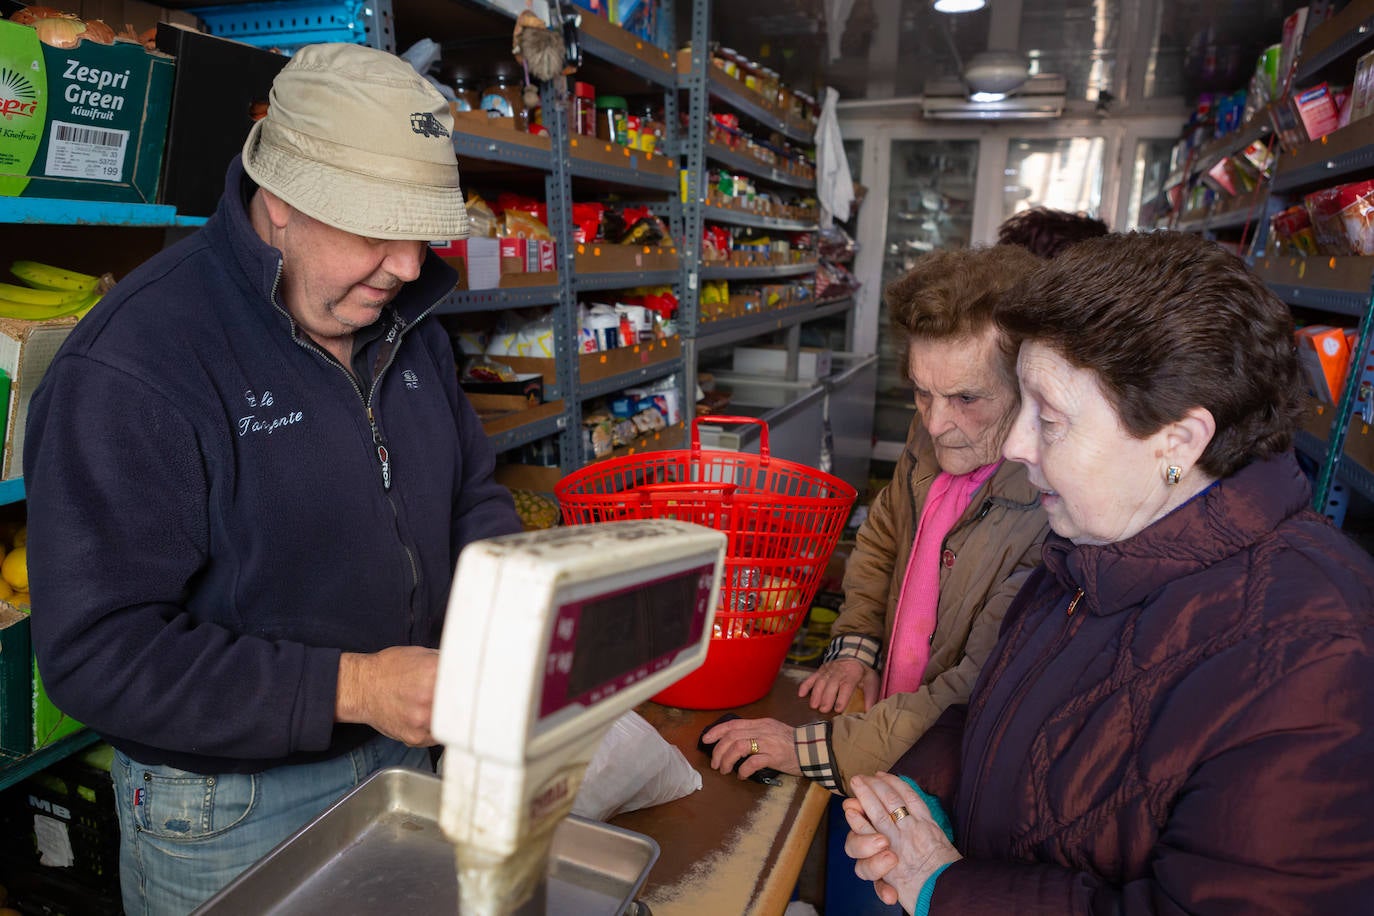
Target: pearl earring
[1173,474]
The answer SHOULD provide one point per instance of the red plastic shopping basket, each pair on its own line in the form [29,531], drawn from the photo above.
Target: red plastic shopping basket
[782,520]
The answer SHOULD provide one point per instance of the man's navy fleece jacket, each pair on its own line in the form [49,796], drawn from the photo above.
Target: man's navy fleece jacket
[208,525]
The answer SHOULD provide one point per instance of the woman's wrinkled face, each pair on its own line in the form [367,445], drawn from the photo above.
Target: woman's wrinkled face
[965,398]
[1099,484]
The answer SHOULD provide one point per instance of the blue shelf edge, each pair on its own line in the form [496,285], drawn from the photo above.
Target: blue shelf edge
[14,769]
[64,212]
[11,491]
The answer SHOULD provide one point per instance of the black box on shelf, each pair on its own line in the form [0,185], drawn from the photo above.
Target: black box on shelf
[61,823]
[220,85]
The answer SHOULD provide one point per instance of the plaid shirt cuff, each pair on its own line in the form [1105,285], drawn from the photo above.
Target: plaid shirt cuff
[815,756]
[854,645]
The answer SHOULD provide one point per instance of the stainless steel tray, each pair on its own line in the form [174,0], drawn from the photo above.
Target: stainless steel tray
[379,849]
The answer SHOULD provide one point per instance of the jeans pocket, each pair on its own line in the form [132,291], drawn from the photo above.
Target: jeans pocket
[177,805]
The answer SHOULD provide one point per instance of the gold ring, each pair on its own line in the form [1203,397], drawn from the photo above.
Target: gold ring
[898,813]
[753,745]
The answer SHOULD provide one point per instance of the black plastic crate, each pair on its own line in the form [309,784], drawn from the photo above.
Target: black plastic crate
[72,802]
[39,894]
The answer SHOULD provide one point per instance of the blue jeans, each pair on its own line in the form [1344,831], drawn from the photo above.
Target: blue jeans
[184,836]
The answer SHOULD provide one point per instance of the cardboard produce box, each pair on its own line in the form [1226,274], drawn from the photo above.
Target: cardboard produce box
[87,123]
[27,349]
[211,115]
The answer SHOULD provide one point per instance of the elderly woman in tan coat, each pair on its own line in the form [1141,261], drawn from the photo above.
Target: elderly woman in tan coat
[945,546]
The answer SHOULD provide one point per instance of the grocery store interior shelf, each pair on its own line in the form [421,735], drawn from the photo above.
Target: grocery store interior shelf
[742,162]
[1348,471]
[763,272]
[644,373]
[460,301]
[13,769]
[62,212]
[527,433]
[745,218]
[625,279]
[11,491]
[725,331]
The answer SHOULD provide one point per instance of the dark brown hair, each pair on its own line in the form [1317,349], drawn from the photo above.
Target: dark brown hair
[1169,322]
[1047,232]
[954,292]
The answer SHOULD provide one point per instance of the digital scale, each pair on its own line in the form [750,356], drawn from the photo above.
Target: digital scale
[549,637]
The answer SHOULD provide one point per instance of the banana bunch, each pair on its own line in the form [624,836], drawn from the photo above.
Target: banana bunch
[50,292]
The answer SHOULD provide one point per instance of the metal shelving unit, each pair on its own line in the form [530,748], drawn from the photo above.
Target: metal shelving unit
[761,272]
[723,332]
[462,301]
[1346,287]
[646,373]
[745,218]
[528,432]
[473,146]
[742,162]
[14,769]
[627,175]
[588,282]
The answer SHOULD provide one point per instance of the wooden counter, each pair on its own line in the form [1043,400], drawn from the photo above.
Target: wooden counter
[736,846]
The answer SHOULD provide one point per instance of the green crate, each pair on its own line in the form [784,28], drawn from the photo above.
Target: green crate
[28,718]
[16,683]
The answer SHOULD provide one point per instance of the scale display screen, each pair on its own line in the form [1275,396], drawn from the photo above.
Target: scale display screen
[604,643]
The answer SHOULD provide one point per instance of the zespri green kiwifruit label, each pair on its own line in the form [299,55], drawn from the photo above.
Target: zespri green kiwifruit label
[23,106]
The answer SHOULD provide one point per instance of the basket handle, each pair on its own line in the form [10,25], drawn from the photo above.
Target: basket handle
[763,433]
[649,491]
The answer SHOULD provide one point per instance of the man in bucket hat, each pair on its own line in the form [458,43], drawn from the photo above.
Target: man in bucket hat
[250,471]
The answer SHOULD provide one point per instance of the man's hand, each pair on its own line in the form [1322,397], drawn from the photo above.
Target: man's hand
[391,690]
[776,743]
[833,684]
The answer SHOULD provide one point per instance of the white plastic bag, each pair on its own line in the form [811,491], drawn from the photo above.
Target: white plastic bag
[633,768]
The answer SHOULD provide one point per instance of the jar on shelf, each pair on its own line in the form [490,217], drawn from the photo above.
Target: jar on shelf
[611,113]
[651,129]
[503,98]
[787,101]
[465,94]
[730,62]
[768,85]
[584,109]
[750,75]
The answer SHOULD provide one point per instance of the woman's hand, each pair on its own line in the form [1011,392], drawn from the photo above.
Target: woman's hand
[776,746]
[896,855]
[833,684]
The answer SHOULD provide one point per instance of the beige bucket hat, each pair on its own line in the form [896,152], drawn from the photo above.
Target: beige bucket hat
[355,138]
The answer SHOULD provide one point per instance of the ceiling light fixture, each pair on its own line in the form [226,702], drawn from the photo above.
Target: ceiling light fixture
[1000,72]
[958,6]
[987,96]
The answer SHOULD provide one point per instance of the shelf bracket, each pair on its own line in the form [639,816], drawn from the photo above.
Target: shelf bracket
[290,25]
[1335,448]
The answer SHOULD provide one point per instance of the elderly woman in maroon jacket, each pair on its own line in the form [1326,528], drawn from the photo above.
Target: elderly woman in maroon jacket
[1179,713]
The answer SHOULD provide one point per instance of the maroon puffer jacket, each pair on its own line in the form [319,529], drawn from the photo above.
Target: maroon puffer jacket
[1194,735]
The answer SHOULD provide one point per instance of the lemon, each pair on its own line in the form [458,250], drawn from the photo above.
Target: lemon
[15,569]
[6,593]
[20,600]
[21,537]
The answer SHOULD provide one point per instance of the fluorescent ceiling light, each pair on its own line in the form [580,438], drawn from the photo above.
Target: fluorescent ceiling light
[987,96]
[958,6]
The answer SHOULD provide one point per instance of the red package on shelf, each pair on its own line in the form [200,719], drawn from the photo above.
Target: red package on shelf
[1357,215]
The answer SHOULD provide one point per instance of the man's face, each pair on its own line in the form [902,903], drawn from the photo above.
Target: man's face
[333,282]
[964,397]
